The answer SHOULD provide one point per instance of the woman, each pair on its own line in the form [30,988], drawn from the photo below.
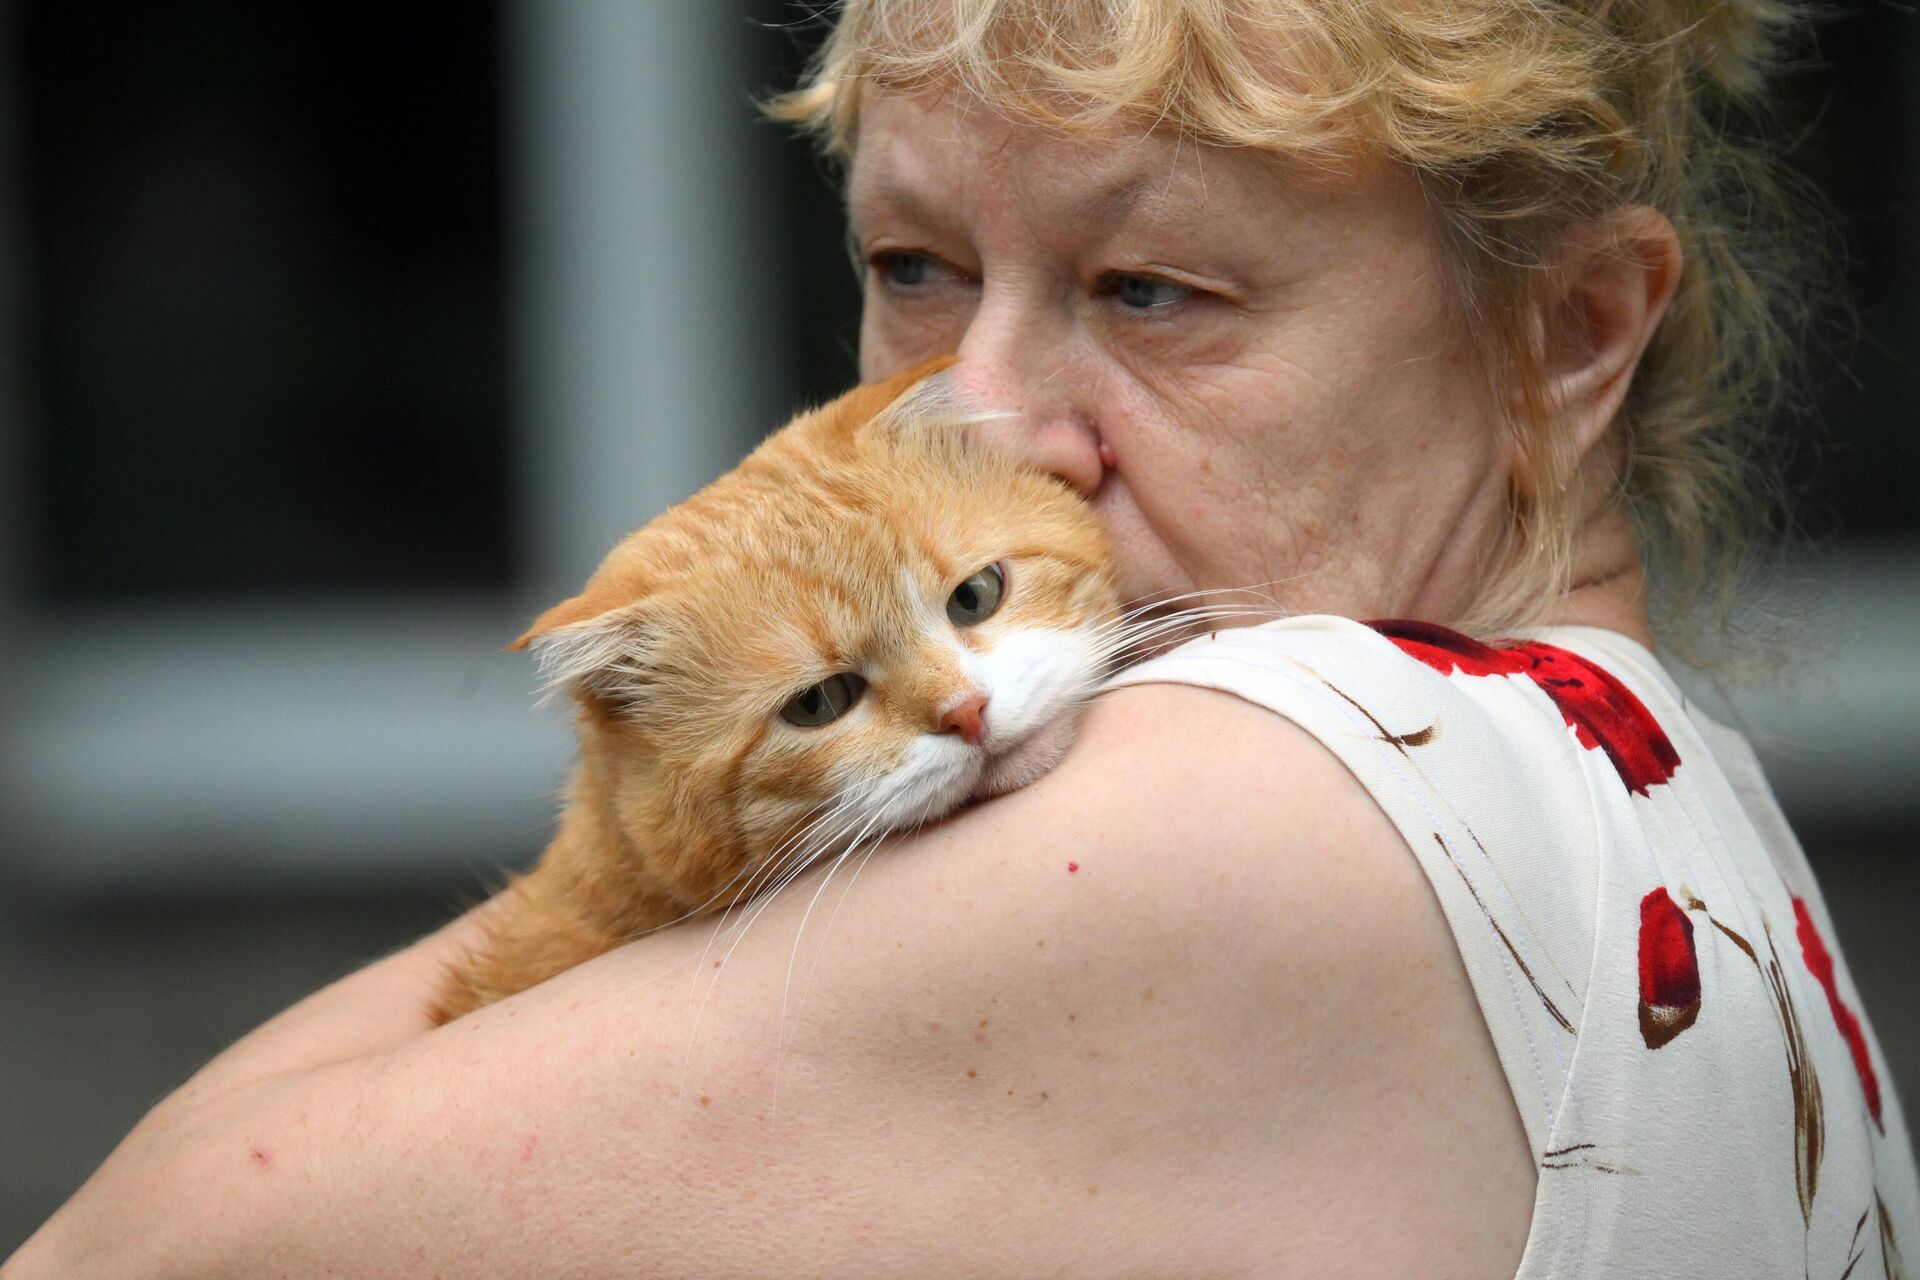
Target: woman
[1411,956]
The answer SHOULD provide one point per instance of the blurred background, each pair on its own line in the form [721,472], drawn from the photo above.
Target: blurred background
[336,341]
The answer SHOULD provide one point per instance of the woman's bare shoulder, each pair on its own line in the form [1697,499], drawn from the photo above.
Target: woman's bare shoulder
[1186,1005]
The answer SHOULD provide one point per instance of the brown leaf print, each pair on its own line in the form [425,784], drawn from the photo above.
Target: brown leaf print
[1854,1249]
[1809,1114]
[1553,1010]
[1398,741]
[1581,1155]
[1889,1251]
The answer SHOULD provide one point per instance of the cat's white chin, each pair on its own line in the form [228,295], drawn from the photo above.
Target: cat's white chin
[1032,759]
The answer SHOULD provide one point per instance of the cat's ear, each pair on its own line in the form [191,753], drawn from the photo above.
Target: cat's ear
[923,396]
[601,652]
[568,613]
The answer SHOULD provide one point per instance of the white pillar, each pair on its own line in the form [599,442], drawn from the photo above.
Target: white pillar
[645,267]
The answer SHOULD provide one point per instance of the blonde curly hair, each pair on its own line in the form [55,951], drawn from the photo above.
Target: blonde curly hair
[1523,120]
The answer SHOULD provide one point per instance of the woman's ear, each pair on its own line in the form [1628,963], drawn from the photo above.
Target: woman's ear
[1615,282]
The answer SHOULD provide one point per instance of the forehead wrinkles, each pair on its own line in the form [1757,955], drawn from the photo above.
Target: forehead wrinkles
[938,163]
[933,164]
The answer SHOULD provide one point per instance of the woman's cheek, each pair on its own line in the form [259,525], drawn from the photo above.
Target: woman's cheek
[1161,353]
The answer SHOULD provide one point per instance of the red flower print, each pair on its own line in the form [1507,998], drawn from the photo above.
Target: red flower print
[1669,970]
[1820,965]
[1602,712]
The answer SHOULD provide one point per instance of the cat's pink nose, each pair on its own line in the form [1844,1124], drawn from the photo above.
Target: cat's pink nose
[968,718]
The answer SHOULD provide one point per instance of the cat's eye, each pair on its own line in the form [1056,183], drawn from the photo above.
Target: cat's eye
[974,600]
[824,702]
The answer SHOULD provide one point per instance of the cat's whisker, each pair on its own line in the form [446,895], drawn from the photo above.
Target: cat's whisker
[827,931]
[1196,610]
[1119,636]
[720,893]
[824,813]
[847,891]
[780,872]
[1191,619]
[1185,619]
[1159,611]
[1180,629]
[807,836]
[1160,601]
[733,926]
[756,908]
[786,991]
[1223,602]
[782,864]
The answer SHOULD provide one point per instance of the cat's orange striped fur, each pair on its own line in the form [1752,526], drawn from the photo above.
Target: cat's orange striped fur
[861,545]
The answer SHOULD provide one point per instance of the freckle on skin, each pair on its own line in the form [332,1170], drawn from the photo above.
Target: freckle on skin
[1069,1017]
[705,1100]
[972,1074]
[1043,1095]
[1093,1191]
[1147,994]
[933,1026]
[983,1022]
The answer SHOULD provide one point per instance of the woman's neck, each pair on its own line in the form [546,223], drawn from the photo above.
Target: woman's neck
[1609,579]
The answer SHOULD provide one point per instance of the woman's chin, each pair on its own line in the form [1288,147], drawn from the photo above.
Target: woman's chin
[1032,760]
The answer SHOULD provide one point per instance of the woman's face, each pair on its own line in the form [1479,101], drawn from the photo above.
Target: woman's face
[1249,367]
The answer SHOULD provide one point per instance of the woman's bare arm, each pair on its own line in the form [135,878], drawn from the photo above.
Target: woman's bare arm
[1149,1016]
[371,1011]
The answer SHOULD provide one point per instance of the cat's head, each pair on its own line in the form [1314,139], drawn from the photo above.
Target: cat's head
[870,621]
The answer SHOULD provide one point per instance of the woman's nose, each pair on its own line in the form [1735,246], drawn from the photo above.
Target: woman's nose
[1054,425]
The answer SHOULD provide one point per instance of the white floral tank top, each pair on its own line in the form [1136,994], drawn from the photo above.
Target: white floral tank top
[1699,1083]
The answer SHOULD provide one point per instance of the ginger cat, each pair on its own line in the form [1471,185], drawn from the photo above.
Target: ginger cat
[864,625]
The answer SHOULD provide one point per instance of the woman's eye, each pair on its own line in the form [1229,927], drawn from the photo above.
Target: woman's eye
[824,702]
[905,270]
[1143,293]
[975,599]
